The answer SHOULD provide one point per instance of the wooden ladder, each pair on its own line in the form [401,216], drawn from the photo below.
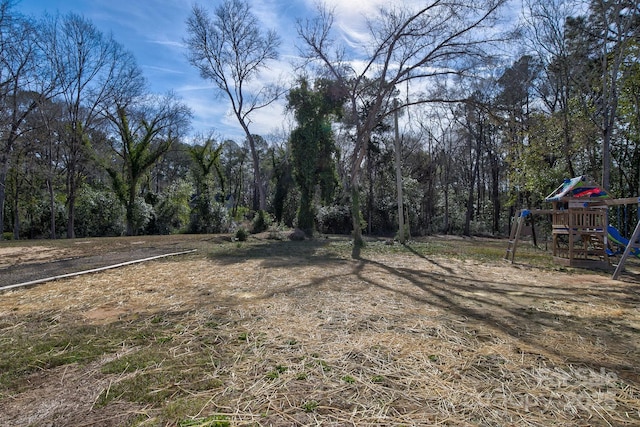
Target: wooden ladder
[515,236]
[633,244]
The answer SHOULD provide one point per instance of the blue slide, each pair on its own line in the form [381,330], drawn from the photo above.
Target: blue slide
[618,239]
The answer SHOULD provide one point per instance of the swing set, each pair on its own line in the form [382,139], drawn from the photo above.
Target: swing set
[581,233]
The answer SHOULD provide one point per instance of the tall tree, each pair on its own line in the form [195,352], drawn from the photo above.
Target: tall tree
[434,39]
[230,49]
[546,33]
[603,40]
[142,142]
[45,135]
[628,157]
[25,81]
[512,109]
[616,23]
[206,160]
[312,145]
[96,73]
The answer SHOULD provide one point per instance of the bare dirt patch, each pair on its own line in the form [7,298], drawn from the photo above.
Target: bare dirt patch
[297,333]
[22,255]
[24,262]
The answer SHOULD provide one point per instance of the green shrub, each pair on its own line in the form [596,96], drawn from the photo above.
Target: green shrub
[241,234]
[98,214]
[143,212]
[208,216]
[241,213]
[261,222]
[334,219]
[172,209]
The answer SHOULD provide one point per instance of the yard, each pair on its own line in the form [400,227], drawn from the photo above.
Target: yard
[441,331]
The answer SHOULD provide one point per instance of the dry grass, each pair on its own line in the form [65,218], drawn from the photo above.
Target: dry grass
[296,333]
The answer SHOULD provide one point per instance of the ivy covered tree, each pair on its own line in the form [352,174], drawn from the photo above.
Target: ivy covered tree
[421,43]
[283,184]
[312,145]
[206,161]
[142,142]
[627,151]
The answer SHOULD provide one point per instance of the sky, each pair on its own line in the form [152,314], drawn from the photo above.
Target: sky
[154,30]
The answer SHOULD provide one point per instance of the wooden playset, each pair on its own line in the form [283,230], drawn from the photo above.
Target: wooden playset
[581,234]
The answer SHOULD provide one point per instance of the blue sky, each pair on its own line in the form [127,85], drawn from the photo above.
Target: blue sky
[154,30]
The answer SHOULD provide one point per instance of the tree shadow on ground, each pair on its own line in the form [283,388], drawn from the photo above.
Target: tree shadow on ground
[531,314]
[518,311]
[280,253]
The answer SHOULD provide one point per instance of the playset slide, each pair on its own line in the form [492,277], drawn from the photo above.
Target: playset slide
[618,239]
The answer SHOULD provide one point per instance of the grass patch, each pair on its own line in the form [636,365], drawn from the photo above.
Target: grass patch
[310,406]
[348,379]
[37,344]
[150,376]
[215,421]
[136,361]
[279,369]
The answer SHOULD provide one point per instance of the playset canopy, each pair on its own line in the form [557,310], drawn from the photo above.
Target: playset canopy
[577,188]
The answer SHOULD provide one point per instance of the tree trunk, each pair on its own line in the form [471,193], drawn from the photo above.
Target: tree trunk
[606,150]
[131,208]
[71,203]
[356,217]
[474,167]
[16,211]
[401,226]
[445,178]
[370,197]
[567,143]
[534,236]
[469,214]
[71,213]
[305,212]
[52,208]
[3,181]
[257,174]
[4,168]
[495,195]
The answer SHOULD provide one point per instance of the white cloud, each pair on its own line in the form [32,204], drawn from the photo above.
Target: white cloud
[155,68]
[351,17]
[169,43]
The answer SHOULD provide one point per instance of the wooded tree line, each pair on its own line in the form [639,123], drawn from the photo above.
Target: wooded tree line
[490,121]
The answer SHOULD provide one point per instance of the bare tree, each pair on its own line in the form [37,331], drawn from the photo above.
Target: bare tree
[44,135]
[615,23]
[435,40]
[24,83]
[545,31]
[94,73]
[230,49]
